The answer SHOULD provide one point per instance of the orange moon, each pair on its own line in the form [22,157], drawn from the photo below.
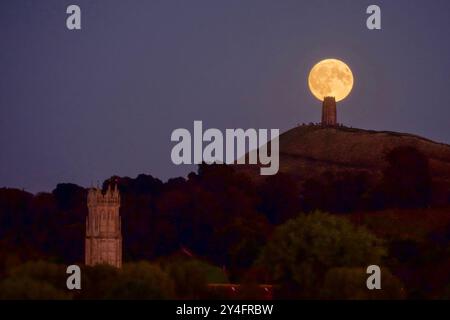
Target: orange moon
[331,78]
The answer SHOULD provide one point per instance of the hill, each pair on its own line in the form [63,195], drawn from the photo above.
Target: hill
[340,148]
[308,151]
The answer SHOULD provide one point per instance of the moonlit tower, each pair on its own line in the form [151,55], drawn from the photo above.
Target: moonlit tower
[330,81]
[329,111]
[103,228]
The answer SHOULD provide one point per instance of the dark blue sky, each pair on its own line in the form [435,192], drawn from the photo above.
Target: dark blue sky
[82,106]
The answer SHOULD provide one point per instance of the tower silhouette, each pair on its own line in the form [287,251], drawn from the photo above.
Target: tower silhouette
[103,243]
[329,112]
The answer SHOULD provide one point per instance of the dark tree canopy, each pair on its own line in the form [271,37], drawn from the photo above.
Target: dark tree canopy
[406,179]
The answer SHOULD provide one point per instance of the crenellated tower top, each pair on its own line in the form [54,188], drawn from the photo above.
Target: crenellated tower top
[97,198]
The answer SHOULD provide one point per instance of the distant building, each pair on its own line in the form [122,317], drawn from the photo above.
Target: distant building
[103,243]
[329,112]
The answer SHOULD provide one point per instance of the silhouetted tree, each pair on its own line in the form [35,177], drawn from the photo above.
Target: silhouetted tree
[337,193]
[304,249]
[406,179]
[35,280]
[350,284]
[191,276]
[280,198]
[141,281]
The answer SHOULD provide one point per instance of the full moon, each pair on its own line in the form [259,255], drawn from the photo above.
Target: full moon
[330,78]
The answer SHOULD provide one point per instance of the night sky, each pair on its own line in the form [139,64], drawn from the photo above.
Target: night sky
[81,106]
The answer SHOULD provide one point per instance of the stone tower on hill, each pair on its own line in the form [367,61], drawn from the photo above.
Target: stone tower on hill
[329,112]
[103,228]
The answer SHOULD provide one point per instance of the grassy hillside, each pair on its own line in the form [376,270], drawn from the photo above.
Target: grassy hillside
[308,151]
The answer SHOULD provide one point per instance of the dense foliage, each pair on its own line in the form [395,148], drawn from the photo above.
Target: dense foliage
[233,228]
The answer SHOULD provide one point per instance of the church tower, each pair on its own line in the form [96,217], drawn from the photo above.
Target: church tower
[329,112]
[103,228]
